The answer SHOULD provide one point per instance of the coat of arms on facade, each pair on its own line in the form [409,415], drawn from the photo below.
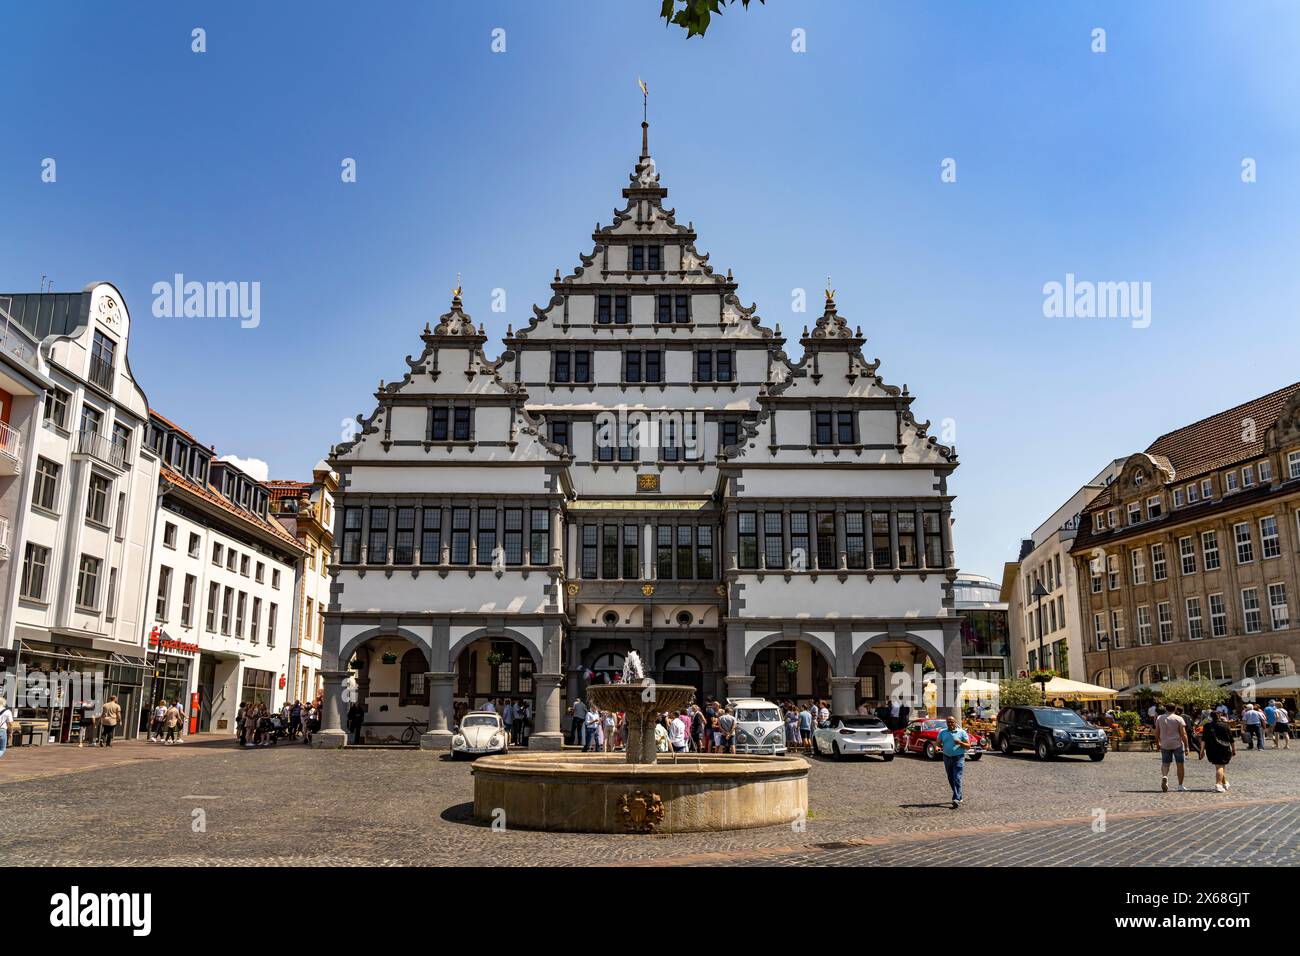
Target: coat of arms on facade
[642,811]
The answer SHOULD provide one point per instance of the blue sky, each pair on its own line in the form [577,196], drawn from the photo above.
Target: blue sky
[1115,166]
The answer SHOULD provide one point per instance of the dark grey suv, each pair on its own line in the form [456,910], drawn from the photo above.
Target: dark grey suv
[1049,732]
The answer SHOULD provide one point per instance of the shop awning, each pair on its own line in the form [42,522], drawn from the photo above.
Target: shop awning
[1263,687]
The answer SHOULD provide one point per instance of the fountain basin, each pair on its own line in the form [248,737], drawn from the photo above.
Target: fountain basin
[604,793]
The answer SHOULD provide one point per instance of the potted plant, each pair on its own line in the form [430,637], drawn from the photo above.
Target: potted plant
[496,659]
[895,666]
[790,665]
[390,657]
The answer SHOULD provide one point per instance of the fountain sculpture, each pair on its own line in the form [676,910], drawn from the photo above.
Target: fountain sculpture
[643,790]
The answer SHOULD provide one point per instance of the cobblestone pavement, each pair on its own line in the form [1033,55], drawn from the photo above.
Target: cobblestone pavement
[291,805]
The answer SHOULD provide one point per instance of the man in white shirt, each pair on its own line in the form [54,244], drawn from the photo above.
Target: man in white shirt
[679,732]
[591,730]
[155,727]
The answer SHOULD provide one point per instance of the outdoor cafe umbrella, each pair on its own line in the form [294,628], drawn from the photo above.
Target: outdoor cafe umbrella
[1077,690]
[1263,687]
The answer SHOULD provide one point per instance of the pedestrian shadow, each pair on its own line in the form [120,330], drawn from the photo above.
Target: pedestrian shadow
[926,806]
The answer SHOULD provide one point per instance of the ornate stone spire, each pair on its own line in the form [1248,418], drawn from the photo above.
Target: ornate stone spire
[831,330]
[456,322]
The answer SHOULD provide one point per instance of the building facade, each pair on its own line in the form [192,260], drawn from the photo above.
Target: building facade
[22,393]
[82,601]
[1045,558]
[1189,559]
[306,510]
[642,468]
[985,631]
[222,585]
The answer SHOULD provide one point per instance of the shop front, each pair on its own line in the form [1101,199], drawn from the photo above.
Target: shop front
[169,679]
[61,688]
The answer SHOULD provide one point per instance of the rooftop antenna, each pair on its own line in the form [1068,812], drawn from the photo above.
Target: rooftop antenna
[42,281]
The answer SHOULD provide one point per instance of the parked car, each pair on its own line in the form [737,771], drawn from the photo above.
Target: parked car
[759,726]
[1049,732]
[922,737]
[480,732]
[854,735]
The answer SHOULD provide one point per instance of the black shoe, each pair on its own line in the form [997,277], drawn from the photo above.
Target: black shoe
[956,804]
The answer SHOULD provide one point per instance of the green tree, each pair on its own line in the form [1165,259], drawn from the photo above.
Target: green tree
[694,15]
[1019,692]
[1193,696]
[1129,720]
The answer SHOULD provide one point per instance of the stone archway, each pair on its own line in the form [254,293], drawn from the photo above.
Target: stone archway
[392,690]
[791,668]
[496,670]
[905,659]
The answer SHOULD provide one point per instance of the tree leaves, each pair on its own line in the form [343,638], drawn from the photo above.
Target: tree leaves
[695,15]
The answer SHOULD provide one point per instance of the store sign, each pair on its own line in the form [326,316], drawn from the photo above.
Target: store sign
[159,641]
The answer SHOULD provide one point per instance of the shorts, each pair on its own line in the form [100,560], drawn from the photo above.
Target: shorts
[1168,756]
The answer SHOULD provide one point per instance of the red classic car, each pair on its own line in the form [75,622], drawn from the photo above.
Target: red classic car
[922,737]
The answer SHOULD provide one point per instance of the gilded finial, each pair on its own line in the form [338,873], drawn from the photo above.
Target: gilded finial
[830,293]
[455,293]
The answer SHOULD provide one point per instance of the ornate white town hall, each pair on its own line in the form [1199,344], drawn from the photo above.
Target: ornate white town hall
[643,468]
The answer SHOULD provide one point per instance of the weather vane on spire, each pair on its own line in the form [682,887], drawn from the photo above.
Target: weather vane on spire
[645,118]
[455,293]
[830,293]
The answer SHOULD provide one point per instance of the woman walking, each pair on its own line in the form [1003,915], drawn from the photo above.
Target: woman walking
[1220,746]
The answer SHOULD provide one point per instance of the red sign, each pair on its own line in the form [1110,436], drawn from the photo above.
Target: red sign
[281,682]
[167,644]
[194,712]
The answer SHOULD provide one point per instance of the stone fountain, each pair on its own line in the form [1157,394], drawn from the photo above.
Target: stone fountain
[641,791]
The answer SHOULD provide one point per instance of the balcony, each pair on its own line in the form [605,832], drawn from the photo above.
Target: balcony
[4,538]
[96,446]
[15,341]
[101,373]
[11,449]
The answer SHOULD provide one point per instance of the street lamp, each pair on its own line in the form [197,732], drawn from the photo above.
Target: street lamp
[1104,640]
[1040,592]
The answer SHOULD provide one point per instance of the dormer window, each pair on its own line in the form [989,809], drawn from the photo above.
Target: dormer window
[1229,481]
[450,424]
[1134,512]
[1153,507]
[647,258]
[573,367]
[834,427]
[611,308]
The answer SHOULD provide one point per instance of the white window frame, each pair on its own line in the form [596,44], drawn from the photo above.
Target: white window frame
[1187,555]
[1250,610]
[1245,545]
[1218,615]
[1195,622]
[1279,613]
[1165,622]
[1159,563]
[1208,549]
[1265,539]
[1144,625]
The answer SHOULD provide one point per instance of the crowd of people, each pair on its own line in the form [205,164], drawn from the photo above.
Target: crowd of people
[259,726]
[706,728]
[1210,736]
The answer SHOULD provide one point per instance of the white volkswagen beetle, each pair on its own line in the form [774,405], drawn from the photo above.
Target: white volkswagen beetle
[480,732]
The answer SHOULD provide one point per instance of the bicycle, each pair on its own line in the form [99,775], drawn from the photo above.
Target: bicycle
[411,735]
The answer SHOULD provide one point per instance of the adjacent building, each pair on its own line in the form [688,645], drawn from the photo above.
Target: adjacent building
[306,510]
[1188,560]
[222,585]
[22,393]
[82,493]
[985,631]
[642,468]
[1045,559]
